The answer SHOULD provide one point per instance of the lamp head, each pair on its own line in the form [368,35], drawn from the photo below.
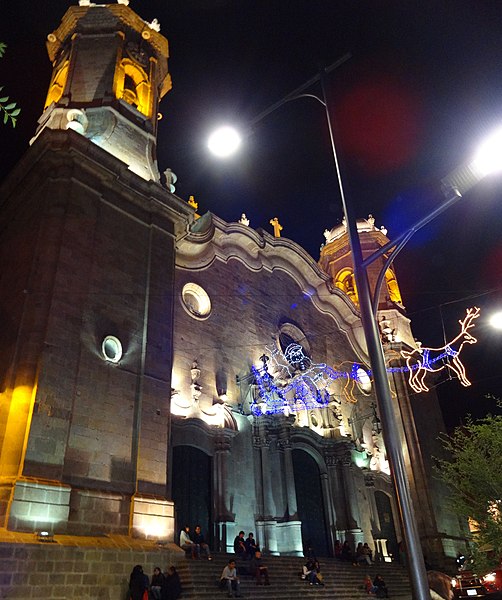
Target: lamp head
[224,141]
[488,158]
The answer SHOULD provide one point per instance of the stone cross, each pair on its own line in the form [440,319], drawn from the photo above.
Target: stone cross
[277,227]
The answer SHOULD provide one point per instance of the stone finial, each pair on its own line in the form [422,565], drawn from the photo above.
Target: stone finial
[155,25]
[244,220]
[383,230]
[371,220]
[192,203]
[344,222]
[326,234]
[125,2]
[84,2]
[277,227]
[171,179]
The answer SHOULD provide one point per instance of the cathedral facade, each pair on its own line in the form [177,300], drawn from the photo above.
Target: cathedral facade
[159,368]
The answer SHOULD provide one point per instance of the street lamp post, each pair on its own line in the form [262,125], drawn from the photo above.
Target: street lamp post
[454,186]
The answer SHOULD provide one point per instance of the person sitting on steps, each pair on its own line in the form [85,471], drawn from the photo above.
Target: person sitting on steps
[230,579]
[202,547]
[187,544]
[240,545]
[258,569]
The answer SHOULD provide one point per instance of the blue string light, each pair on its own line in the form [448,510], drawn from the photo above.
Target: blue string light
[300,384]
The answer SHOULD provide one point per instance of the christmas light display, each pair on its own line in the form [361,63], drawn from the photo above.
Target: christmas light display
[300,384]
[421,361]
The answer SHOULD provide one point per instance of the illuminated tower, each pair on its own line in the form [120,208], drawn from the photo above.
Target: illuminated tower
[87,239]
[109,74]
[419,416]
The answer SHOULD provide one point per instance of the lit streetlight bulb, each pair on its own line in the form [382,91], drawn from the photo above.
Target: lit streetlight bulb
[224,141]
[496,320]
[488,158]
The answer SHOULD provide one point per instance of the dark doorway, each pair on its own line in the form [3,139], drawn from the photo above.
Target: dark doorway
[192,485]
[386,519]
[310,502]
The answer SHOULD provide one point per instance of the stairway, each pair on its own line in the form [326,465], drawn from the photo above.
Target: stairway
[343,581]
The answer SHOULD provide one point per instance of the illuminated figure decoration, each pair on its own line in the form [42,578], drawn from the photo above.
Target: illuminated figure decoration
[298,384]
[423,360]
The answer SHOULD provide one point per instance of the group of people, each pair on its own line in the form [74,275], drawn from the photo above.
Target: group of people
[194,544]
[363,553]
[439,586]
[163,586]
[376,587]
[311,572]
[246,549]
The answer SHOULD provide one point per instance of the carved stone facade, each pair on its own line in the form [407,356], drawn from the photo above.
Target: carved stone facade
[209,316]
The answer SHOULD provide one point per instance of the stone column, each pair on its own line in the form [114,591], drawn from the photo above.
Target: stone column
[331,491]
[289,476]
[268,522]
[351,497]
[223,516]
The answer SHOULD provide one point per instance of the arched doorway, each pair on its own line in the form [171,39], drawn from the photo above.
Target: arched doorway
[387,528]
[192,485]
[309,497]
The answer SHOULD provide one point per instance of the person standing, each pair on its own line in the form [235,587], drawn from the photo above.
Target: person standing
[230,579]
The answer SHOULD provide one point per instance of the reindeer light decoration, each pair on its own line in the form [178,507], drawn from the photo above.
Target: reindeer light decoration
[422,360]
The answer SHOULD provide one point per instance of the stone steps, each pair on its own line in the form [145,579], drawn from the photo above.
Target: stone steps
[200,580]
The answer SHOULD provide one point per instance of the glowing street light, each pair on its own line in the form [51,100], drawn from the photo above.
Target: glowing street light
[454,186]
[496,320]
[224,142]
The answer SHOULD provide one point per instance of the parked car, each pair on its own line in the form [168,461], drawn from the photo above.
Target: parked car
[468,585]
[493,581]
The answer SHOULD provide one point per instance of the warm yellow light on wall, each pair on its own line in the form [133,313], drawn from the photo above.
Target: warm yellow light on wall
[133,85]
[345,281]
[392,286]
[18,420]
[58,84]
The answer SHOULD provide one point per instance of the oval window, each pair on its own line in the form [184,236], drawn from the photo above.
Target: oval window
[196,301]
[111,349]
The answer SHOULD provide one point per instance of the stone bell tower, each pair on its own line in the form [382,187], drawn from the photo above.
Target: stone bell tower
[418,416]
[87,237]
[109,74]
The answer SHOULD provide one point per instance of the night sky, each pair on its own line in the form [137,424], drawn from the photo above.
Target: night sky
[423,87]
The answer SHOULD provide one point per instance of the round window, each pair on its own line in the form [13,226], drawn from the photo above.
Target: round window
[196,301]
[111,349]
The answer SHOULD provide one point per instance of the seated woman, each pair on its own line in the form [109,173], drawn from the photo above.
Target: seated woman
[381,588]
[361,555]
[311,572]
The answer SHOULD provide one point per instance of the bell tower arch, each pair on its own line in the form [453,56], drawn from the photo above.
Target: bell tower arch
[109,74]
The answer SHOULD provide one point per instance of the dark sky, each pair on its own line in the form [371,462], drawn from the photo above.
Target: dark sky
[423,87]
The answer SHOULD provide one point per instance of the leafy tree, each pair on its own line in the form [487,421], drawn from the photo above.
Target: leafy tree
[9,109]
[473,475]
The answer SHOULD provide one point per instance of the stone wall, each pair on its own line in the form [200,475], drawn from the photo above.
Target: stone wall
[50,571]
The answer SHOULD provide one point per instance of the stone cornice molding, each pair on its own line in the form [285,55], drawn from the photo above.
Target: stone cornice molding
[213,239]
